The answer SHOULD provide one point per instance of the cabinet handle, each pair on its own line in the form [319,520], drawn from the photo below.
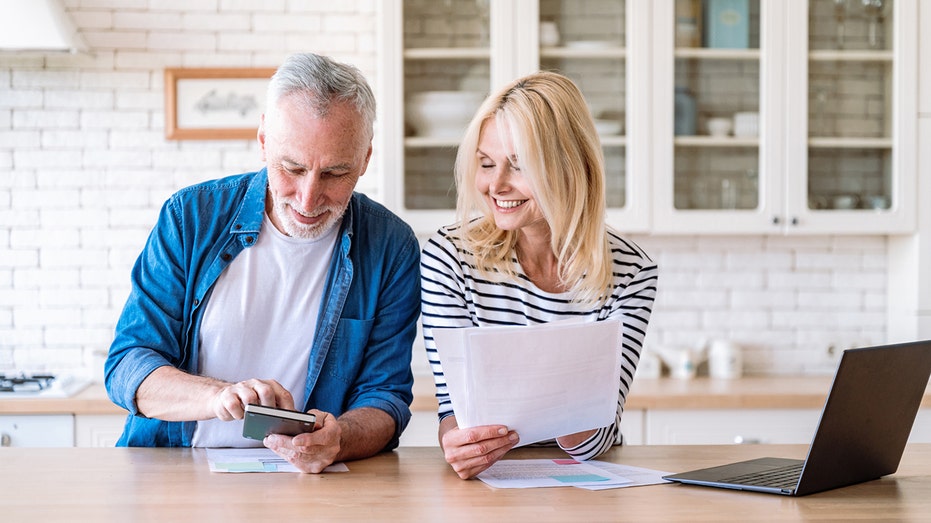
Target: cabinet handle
[775,220]
[795,220]
[5,440]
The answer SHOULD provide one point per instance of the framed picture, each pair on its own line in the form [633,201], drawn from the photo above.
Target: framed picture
[214,104]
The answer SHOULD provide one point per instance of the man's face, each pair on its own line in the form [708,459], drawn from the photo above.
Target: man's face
[313,164]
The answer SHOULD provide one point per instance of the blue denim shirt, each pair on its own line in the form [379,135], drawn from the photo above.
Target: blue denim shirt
[361,352]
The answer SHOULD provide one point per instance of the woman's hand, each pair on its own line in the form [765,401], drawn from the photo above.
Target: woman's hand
[470,451]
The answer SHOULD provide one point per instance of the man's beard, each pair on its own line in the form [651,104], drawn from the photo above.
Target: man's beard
[284,208]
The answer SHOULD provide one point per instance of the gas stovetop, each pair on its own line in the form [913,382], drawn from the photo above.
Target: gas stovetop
[26,385]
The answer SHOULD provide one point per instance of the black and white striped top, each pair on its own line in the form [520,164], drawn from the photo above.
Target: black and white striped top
[455,294]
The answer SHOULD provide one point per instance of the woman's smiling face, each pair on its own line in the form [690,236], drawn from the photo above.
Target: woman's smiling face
[501,183]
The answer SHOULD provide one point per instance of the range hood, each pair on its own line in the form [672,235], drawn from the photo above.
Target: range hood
[37,25]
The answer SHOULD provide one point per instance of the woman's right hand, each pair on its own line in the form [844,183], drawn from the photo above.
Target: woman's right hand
[470,451]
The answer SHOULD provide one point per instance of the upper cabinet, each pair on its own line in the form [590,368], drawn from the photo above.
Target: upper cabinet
[784,116]
[441,58]
[716,116]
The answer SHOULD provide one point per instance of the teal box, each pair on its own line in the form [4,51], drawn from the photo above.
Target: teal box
[727,24]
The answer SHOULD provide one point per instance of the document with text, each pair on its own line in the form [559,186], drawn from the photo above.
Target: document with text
[542,381]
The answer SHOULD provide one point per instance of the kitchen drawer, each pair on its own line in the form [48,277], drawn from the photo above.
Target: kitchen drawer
[728,426]
[27,430]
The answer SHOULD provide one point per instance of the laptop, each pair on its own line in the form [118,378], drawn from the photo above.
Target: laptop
[861,435]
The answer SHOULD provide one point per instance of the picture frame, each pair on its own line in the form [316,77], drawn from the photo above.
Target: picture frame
[214,103]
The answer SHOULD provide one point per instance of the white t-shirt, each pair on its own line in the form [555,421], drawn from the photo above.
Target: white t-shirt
[261,319]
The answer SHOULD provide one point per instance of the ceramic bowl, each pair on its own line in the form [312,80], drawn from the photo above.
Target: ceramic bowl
[719,126]
[442,114]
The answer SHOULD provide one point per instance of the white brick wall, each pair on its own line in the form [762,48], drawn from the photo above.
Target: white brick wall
[785,299]
[84,169]
[84,166]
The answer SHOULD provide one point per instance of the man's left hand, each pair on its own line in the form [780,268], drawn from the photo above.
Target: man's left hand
[312,451]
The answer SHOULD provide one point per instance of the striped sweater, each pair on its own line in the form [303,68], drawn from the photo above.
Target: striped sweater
[455,294]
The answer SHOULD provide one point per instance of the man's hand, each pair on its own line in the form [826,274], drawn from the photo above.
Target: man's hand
[312,451]
[470,451]
[230,402]
[170,394]
[356,434]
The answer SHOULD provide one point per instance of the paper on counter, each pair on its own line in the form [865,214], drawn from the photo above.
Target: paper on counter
[590,475]
[258,459]
[542,381]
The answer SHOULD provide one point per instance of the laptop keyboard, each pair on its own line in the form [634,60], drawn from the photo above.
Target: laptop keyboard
[784,477]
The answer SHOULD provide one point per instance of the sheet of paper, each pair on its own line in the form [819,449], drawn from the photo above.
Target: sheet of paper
[590,475]
[638,476]
[542,381]
[257,459]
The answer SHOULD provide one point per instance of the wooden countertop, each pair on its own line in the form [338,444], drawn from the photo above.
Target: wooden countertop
[753,392]
[416,484]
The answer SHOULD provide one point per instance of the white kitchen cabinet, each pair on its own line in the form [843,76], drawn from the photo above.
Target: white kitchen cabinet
[728,426]
[98,430]
[477,46]
[37,430]
[422,430]
[834,88]
[632,426]
[835,151]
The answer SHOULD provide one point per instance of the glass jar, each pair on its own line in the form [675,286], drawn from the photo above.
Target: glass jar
[685,112]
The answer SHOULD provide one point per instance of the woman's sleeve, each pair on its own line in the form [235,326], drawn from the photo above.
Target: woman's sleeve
[443,303]
[632,304]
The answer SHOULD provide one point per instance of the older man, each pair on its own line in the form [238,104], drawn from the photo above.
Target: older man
[280,287]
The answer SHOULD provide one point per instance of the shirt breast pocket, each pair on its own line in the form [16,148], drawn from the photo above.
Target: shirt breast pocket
[347,350]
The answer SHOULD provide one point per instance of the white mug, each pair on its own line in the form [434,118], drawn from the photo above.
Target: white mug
[725,360]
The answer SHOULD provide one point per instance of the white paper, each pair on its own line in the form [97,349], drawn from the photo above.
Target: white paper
[542,381]
[258,459]
[589,475]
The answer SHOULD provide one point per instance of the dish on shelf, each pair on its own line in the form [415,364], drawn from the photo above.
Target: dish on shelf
[608,127]
[591,44]
[442,114]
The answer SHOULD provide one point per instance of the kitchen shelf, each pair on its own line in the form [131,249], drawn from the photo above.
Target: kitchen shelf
[851,56]
[457,53]
[717,54]
[850,143]
[569,52]
[716,141]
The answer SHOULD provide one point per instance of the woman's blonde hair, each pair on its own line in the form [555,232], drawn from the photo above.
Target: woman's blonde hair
[559,153]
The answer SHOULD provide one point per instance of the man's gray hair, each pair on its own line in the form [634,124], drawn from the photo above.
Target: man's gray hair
[322,81]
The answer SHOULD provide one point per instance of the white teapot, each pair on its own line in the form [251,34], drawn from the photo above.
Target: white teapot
[683,361]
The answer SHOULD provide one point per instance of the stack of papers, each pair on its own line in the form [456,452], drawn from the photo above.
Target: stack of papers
[542,381]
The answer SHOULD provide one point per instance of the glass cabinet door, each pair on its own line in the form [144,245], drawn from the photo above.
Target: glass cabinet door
[588,42]
[446,49]
[854,83]
[714,115]
[716,105]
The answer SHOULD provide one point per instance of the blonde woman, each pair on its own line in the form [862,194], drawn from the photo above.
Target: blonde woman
[531,246]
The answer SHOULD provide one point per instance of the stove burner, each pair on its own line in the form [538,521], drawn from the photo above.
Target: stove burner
[23,384]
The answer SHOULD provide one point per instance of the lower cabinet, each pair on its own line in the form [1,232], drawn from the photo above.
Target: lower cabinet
[60,430]
[729,426]
[102,430]
[37,430]
[725,426]
[422,430]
